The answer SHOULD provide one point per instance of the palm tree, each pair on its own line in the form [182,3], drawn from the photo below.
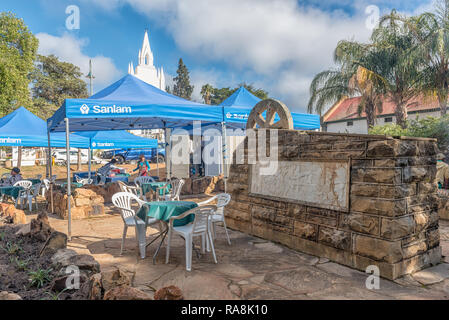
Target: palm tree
[432,32]
[399,64]
[352,78]
[206,93]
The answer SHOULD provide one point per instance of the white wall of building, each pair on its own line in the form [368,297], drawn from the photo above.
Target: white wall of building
[360,126]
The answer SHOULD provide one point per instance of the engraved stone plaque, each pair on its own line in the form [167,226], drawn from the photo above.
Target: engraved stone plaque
[319,183]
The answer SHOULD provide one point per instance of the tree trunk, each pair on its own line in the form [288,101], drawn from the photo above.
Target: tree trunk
[78,167]
[443,105]
[19,157]
[370,116]
[401,114]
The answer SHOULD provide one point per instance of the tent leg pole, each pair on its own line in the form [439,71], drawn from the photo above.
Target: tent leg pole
[90,161]
[224,149]
[50,169]
[168,152]
[69,183]
[157,157]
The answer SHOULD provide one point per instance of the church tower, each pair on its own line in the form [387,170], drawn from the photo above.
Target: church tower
[145,70]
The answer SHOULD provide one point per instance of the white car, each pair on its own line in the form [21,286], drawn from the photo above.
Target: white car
[61,157]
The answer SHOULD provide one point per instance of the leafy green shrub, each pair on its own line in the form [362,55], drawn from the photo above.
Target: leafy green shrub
[40,277]
[428,127]
[391,129]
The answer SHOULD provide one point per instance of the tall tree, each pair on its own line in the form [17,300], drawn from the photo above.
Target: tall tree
[351,78]
[53,82]
[18,47]
[182,87]
[399,64]
[206,93]
[432,33]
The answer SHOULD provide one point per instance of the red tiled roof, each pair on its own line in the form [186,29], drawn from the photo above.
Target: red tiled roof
[347,108]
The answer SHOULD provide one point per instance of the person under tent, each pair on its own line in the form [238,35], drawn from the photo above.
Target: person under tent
[12,179]
[106,169]
[143,166]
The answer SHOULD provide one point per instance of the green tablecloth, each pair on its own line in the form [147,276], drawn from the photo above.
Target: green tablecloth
[10,191]
[34,181]
[74,185]
[146,187]
[164,210]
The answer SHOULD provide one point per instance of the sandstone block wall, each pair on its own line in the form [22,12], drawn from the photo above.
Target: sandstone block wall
[392,216]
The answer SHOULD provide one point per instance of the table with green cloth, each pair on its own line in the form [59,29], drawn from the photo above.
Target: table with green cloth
[146,187]
[163,211]
[10,191]
[74,185]
[34,181]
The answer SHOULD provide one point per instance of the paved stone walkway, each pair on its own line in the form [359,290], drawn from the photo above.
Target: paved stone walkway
[250,268]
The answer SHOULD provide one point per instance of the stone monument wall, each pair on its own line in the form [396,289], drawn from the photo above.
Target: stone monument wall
[358,200]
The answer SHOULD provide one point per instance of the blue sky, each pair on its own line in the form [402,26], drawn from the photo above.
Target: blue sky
[278,45]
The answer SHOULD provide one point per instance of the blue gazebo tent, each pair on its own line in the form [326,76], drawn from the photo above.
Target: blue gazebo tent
[131,104]
[116,139]
[238,106]
[22,128]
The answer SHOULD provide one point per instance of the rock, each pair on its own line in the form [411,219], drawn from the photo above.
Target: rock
[169,293]
[85,263]
[432,275]
[24,231]
[96,291]
[4,295]
[56,240]
[59,284]
[378,249]
[62,257]
[40,228]
[126,293]
[112,279]
[12,215]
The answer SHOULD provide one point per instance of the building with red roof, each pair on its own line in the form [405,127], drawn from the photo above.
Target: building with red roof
[343,117]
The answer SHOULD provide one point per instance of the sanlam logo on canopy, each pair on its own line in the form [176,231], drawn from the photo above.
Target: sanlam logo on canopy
[105,109]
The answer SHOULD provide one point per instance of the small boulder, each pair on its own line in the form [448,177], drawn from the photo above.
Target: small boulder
[95,288]
[5,295]
[56,240]
[84,262]
[126,293]
[12,215]
[114,278]
[169,293]
[59,284]
[24,230]
[62,256]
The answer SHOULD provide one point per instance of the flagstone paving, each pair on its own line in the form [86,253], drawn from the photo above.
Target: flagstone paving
[250,268]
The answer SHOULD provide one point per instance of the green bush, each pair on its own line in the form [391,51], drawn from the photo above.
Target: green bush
[429,127]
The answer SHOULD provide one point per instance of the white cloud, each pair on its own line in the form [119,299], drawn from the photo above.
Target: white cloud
[70,49]
[267,38]
[282,44]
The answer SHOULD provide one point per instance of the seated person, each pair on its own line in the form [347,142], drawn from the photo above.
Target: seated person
[13,178]
[104,170]
[143,166]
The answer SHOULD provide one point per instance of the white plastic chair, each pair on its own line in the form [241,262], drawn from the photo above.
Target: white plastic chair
[83,181]
[123,201]
[139,181]
[199,227]
[23,194]
[33,192]
[45,186]
[175,192]
[130,189]
[223,200]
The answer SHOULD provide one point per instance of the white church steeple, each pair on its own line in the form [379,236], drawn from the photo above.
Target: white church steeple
[146,71]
